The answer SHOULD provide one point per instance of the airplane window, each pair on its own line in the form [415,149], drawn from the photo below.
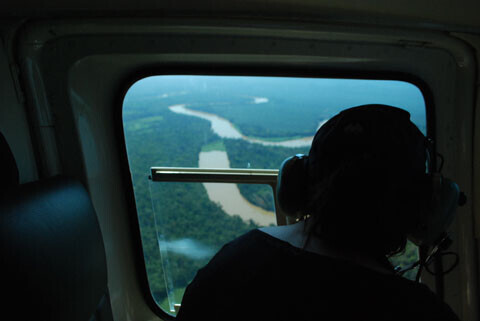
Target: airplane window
[204,229]
[227,122]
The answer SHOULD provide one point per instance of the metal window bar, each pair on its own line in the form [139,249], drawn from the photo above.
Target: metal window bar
[221,175]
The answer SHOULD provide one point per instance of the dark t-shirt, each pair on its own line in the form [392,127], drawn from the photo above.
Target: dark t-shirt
[259,277]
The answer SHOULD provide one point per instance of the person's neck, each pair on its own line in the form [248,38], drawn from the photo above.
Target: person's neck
[300,236]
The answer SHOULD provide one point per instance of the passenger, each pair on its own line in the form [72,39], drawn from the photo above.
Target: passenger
[363,187]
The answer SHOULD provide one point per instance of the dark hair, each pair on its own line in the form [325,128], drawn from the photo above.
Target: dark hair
[366,170]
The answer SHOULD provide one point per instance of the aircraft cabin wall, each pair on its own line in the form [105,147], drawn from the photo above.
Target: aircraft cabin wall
[13,117]
[67,97]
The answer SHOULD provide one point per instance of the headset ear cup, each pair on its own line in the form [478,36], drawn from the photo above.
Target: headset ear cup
[292,186]
[444,205]
[439,213]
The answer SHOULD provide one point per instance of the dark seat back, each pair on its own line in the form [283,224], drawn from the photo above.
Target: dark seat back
[53,264]
[9,176]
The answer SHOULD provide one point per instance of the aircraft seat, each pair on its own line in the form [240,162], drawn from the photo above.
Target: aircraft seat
[53,258]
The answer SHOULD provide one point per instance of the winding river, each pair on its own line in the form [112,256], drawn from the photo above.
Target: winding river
[225,129]
[228,195]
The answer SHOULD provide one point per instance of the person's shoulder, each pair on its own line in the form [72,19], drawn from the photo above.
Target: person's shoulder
[427,304]
[246,244]
[246,238]
[229,274]
[244,241]
[244,257]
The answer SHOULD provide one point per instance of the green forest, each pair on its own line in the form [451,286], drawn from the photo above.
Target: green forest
[181,228]
[181,210]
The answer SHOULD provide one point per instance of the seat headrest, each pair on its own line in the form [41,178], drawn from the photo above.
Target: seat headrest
[8,167]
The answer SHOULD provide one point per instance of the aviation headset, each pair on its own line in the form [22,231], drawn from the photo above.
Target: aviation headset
[442,194]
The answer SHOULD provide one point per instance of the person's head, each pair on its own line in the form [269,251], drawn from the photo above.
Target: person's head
[364,178]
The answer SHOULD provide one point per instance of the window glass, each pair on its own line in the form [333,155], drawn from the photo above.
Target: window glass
[227,122]
[190,228]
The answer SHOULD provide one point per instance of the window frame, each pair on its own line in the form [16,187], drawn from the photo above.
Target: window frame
[222,175]
[222,69]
